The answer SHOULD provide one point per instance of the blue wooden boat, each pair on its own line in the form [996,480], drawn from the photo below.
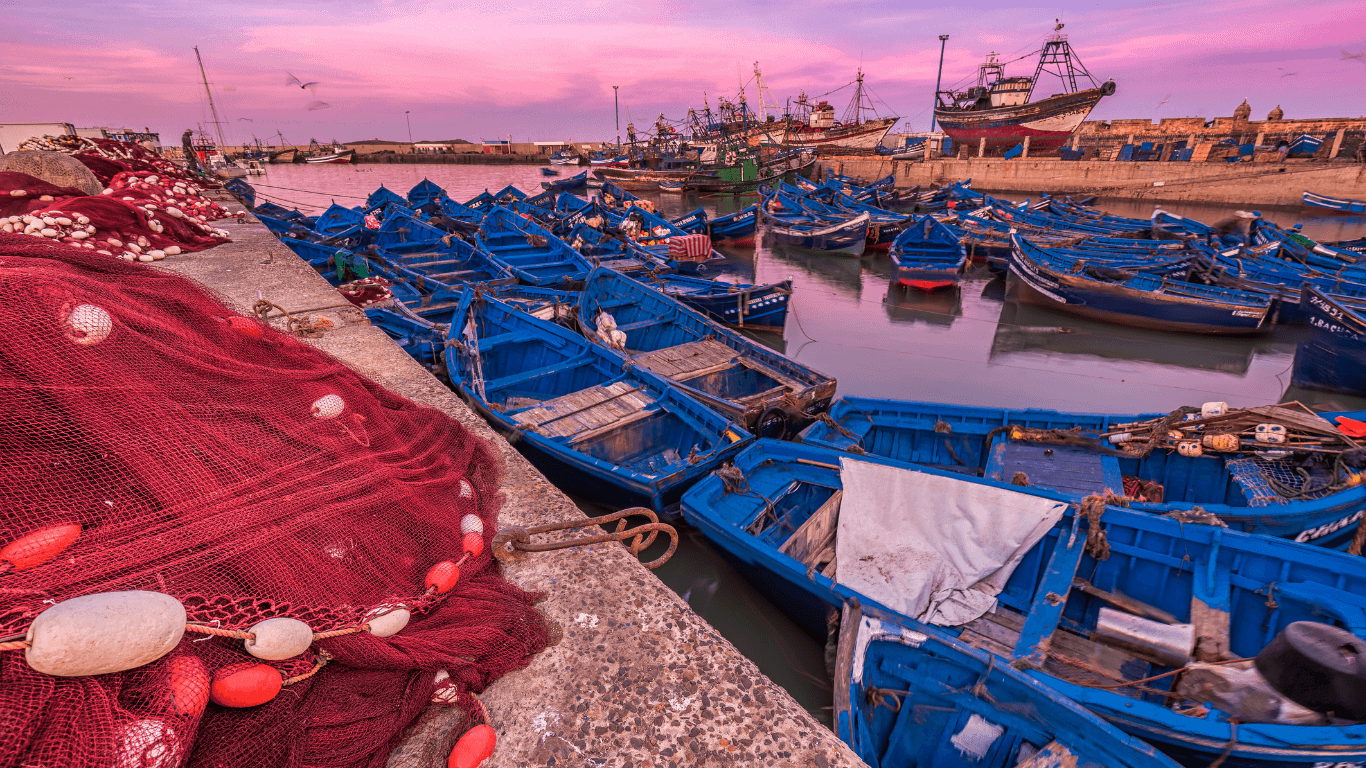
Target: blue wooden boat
[576,182]
[449,264]
[694,223]
[927,256]
[736,228]
[425,192]
[977,441]
[508,194]
[668,185]
[1131,298]
[532,252]
[596,427]
[1333,360]
[905,696]
[338,222]
[549,172]
[849,237]
[1240,591]
[767,393]
[482,202]
[382,196]
[740,305]
[1339,204]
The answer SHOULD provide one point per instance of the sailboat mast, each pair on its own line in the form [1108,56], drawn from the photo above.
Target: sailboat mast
[218,124]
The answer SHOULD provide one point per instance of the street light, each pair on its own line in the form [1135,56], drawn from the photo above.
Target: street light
[616,107]
[410,126]
[943,40]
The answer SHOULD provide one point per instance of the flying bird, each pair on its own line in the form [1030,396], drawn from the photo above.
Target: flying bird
[248,119]
[1361,57]
[310,87]
[317,105]
[1165,99]
[1286,74]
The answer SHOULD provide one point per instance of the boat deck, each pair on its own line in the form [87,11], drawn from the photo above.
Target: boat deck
[1065,469]
[699,358]
[588,412]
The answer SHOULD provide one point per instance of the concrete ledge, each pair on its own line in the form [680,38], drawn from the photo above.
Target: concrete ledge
[638,679]
[1263,185]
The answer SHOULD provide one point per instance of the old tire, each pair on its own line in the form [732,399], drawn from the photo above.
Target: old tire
[772,423]
[1318,666]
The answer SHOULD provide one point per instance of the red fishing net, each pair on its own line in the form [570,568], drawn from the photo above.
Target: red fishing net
[208,457]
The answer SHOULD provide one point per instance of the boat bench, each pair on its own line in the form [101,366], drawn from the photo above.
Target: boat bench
[1066,469]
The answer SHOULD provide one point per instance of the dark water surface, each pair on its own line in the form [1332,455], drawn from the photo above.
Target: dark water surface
[968,345]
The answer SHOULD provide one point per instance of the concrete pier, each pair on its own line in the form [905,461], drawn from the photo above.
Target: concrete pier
[1260,184]
[638,679]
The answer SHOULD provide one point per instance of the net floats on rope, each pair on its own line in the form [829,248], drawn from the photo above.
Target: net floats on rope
[104,632]
[442,577]
[279,638]
[390,622]
[245,684]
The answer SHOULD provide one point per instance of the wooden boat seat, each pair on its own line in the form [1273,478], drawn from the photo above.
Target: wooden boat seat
[686,360]
[1066,469]
[535,373]
[641,324]
[588,412]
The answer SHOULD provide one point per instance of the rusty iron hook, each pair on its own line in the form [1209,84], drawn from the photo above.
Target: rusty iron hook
[513,543]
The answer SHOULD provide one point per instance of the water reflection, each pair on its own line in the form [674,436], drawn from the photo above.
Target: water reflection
[1028,328]
[908,305]
[842,273]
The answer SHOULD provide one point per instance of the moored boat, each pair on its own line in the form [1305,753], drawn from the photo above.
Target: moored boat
[1078,602]
[927,256]
[1333,360]
[850,236]
[997,112]
[1339,204]
[595,426]
[970,710]
[752,307]
[765,392]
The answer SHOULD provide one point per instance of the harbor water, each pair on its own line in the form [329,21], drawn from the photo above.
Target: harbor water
[971,344]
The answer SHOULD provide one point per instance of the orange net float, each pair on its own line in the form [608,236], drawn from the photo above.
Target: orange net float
[245,327]
[187,686]
[442,577]
[473,544]
[38,547]
[474,747]
[245,685]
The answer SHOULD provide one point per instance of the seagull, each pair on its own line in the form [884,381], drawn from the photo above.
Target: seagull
[1165,99]
[1287,74]
[248,119]
[1361,57]
[317,105]
[310,87]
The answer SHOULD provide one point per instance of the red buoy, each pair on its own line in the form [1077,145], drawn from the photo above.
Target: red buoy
[443,576]
[245,685]
[245,327]
[473,748]
[474,544]
[39,547]
[187,684]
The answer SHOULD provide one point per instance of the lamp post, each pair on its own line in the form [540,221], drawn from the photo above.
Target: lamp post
[943,40]
[410,126]
[616,107]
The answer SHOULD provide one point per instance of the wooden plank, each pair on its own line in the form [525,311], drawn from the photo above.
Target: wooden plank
[816,534]
[587,410]
[673,362]
[1050,597]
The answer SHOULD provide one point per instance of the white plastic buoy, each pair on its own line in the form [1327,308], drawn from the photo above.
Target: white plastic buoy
[104,632]
[390,623]
[1212,409]
[279,638]
[466,490]
[88,325]
[1270,433]
[328,407]
[471,524]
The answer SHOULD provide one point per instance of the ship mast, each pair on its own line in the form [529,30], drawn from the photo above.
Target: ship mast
[218,124]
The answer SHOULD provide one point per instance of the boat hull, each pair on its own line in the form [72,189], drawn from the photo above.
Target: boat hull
[1048,123]
[1339,204]
[867,135]
[1335,359]
[849,237]
[343,158]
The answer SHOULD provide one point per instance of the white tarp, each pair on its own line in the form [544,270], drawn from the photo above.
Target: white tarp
[936,548]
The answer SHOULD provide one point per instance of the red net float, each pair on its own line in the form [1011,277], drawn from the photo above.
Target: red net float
[442,577]
[187,686]
[246,327]
[473,544]
[245,685]
[38,547]
[474,747]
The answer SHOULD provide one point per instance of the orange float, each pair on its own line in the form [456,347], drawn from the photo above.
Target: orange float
[187,684]
[245,685]
[443,576]
[246,327]
[39,547]
[473,748]
[474,544]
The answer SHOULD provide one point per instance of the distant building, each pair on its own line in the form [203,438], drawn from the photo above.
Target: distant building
[14,134]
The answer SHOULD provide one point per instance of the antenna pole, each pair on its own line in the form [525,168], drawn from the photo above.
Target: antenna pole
[212,109]
[943,40]
[616,107]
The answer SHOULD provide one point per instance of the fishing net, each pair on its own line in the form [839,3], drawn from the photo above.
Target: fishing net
[208,457]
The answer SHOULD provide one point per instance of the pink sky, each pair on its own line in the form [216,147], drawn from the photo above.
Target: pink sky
[545,70]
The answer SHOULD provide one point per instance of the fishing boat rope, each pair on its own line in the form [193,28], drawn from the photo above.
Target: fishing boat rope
[511,544]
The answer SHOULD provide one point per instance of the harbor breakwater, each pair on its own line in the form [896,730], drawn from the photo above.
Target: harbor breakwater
[1249,185]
